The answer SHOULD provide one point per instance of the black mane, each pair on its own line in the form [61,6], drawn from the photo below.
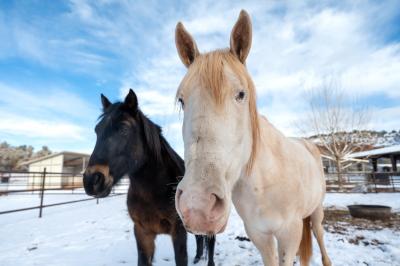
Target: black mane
[158,145]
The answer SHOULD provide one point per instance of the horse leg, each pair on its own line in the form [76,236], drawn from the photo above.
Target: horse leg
[210,247]
[316,220]
[199,248]
[145,245]
[179,242]
[288,242]
[265,243]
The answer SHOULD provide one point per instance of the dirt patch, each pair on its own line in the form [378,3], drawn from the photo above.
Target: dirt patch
[352,230]
[339,220]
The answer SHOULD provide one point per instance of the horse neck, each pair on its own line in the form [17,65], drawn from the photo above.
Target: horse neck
[270,147]
[160,171]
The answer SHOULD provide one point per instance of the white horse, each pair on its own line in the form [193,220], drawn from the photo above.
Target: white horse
[277,184]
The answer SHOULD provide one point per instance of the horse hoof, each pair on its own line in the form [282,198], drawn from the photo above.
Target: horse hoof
[196,260]
[211,263]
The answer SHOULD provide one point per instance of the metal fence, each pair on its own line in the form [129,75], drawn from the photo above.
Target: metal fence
[363,182]
[46,184]
[68,187]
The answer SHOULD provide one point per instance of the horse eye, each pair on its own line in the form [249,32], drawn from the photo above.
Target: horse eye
[240,96]
[124,130]
[182,103]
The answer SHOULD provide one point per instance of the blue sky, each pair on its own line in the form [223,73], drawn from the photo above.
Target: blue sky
[56,57]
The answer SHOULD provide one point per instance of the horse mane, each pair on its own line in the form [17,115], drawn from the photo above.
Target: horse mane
[208,69]
[157,144]
[152,134]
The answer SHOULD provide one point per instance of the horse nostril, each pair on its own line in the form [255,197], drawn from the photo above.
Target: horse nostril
[97,178]
[217,205]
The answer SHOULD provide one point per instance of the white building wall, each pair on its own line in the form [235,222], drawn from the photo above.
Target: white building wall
[52,165]
[17,181]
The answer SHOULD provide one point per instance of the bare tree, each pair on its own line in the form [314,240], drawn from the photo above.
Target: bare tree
[12,156]
[337,125]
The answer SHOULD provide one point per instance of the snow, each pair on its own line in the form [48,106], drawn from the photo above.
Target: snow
[386,150]
[26,200]
[89,234]
[342,200]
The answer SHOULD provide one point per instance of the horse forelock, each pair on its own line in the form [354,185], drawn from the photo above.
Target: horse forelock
[208,70]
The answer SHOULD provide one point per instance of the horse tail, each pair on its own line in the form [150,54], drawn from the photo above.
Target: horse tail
[305,250]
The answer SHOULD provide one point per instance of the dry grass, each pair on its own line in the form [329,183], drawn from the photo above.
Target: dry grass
[337,221]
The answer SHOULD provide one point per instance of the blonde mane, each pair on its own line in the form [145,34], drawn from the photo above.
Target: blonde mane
[208,69]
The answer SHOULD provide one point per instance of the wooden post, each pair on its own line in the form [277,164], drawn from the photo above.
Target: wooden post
[42,193]
[73,184]
[392,181]
[83,164]
[33,182]
[374,177]
[394,163]
[375,164]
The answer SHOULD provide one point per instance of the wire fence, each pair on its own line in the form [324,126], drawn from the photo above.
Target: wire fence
[363,182]
[39,190]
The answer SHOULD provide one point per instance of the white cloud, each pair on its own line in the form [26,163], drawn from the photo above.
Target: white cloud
[49,102]
[293,51]
[33,128]
[378,72]
[173,132]
[296,45]
[53,117]
[153,102]
[386,118]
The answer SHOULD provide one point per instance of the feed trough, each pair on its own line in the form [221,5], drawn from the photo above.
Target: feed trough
[372,212]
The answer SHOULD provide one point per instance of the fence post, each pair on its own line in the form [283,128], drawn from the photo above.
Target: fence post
[33,182]
[392,181]
[374,177]
[73,184]
[42,193]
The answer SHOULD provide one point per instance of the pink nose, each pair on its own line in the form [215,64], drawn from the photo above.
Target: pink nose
[200,213]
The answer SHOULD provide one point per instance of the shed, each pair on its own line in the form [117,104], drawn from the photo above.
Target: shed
[391,153]
[63,170]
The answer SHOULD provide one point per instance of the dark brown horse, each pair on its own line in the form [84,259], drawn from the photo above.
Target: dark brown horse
[128,143]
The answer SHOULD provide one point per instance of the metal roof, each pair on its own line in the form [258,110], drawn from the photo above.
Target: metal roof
[65,153]
[391,150]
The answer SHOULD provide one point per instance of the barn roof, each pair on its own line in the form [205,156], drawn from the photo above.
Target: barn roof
[68,154]
[381,152]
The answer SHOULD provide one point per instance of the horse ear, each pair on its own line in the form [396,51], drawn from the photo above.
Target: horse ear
[105,102]
[131,100]
[241,37]
[185,44]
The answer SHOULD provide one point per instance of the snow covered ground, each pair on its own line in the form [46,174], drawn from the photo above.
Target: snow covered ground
[89,234]
[341,200]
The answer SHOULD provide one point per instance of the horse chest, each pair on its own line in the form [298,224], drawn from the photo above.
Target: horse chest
[257,207]
[151,213]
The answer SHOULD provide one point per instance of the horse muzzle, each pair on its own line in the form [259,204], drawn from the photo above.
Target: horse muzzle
[97,183]
[202,214]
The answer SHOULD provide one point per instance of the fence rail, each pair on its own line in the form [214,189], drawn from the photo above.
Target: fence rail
[46,185]
[363,182]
